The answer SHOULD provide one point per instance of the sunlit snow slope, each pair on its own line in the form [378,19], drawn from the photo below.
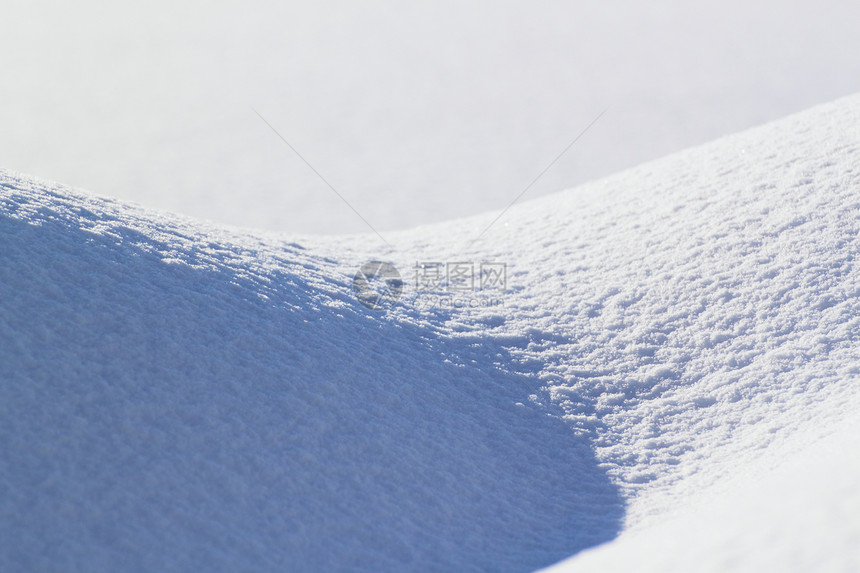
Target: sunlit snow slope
[176,396]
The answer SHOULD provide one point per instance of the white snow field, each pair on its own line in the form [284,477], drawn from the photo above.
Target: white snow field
[672,373]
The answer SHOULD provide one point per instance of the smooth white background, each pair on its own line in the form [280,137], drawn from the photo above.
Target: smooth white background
[415,113]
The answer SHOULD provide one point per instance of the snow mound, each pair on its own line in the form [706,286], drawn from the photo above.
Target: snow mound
[179,396]
[799,516]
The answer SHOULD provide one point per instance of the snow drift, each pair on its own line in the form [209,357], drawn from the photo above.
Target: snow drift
[179,399]
[177,395]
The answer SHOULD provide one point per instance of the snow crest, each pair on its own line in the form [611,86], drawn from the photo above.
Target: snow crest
[177,395]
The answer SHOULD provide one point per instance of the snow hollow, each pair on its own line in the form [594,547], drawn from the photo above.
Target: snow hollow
[181,396]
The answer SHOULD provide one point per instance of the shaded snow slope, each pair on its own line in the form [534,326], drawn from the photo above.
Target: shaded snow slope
[177,396]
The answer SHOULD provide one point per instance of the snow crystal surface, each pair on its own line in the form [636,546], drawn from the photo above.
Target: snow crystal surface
[179,398]
[675,356]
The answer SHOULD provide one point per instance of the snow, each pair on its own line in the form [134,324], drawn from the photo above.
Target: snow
[181,397]
[672,374]
[798,516]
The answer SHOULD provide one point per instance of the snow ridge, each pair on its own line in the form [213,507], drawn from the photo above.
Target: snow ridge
[178,395]
[179,398]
